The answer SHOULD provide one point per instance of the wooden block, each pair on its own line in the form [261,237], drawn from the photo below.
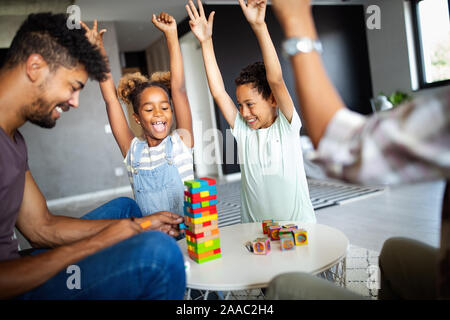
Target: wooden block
[205,233]
[209,217]
[197,210]
[287,241]
[300,236]
[261,246]
[212,257]
[264,225]
[200,214]
[196,205]
[284,231]
[268,224]
[210,181]
[196,183]
[273,232]
[290,226]
[196,197]
[210,189]
[205,246]
[202,239]
[202,227]
[203,255]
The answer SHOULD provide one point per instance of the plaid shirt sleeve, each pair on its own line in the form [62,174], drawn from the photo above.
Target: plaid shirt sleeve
[406,144]
[409,143]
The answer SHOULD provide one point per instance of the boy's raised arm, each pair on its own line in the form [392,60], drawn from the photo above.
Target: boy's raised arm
[254,11]
[168,26]
[202,29]
[119,125]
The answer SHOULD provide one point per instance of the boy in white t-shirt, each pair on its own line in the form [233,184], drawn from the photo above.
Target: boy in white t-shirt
[267,128]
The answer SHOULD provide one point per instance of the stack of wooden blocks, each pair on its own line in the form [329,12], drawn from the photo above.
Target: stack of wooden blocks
[200,211]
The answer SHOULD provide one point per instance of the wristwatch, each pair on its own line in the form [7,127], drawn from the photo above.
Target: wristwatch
[292,46]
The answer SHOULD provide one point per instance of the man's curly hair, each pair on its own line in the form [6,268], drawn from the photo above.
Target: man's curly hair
[256,75]
[48,35]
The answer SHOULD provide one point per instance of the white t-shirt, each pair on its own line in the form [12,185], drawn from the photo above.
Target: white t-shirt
[273,179]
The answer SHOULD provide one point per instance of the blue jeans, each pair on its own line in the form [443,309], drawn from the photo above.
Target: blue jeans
[146,266]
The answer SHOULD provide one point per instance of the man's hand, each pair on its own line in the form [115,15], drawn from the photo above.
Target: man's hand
[164,221]
[94,36]
[254,11]
[291,13]
[201,27]
[116,232]
[165,23]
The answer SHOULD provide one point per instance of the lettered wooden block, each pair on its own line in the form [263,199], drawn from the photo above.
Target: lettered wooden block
[261,246]
[273,232]
[264,223]
[287,241]
[300,236]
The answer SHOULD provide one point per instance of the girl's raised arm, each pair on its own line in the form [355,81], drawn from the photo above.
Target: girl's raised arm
[119,125]
[167,24]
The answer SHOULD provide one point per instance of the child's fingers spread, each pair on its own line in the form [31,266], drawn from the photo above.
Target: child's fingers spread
[191,16]
[211,18]
[200,8]
[85,27]
[193,8]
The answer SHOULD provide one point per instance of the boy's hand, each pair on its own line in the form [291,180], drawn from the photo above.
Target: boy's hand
[95,37]
[201,27]
[254,11]
[165,22]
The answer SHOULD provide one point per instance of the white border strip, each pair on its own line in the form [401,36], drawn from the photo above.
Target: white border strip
[89,196]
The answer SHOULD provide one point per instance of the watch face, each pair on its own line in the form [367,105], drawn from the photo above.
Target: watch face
[304,45]
[293,46]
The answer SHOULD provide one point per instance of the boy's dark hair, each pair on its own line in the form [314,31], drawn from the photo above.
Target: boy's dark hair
[47,34]
[255,74]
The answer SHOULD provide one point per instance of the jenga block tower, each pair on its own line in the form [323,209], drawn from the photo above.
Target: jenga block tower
[202,233]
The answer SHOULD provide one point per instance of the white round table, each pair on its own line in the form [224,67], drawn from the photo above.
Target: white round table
[239,269]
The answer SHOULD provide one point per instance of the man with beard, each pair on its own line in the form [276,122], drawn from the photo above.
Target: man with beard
[46,67]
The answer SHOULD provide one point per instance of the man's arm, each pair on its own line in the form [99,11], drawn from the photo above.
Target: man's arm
[44,230]
[202,29]
[18,276]
[254,12]
[317,96]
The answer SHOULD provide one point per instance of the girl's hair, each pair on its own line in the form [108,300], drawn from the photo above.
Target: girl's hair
[131,86]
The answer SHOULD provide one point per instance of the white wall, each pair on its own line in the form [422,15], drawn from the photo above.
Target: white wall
[207,161]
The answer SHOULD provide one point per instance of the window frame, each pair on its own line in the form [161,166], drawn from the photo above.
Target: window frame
[419,49]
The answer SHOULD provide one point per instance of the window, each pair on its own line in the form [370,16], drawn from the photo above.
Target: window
[432,36]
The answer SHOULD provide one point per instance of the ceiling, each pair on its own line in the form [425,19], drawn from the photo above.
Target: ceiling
[132,18]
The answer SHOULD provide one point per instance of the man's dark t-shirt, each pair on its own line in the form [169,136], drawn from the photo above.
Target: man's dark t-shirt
[13,165]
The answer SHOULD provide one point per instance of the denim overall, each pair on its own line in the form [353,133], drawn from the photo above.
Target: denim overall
[159,189]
